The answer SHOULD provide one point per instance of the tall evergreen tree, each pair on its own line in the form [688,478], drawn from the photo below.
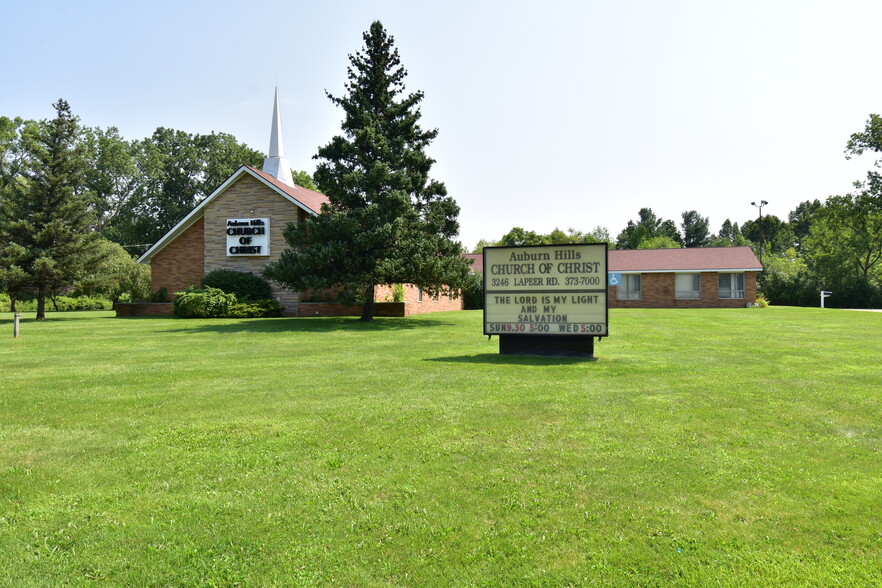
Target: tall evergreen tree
[45,216]
[387,221]
[695,229]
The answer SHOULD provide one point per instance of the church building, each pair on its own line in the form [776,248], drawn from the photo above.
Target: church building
[240,227]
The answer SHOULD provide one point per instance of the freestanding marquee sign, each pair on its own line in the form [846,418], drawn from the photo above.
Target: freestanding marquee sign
[546,299]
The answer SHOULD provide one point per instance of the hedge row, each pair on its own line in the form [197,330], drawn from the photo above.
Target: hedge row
[63,303]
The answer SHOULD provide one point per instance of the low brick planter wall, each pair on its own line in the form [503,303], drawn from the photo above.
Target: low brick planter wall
[125,309]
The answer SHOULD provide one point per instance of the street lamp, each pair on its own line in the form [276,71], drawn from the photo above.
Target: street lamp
[760,206]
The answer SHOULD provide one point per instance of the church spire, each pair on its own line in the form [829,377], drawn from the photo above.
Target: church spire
[276,165]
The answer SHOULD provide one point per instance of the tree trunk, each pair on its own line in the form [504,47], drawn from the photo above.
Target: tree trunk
[367,311]
[41,305]
[12,302]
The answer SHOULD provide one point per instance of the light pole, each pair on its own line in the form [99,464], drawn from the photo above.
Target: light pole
[762,236]
[760,206]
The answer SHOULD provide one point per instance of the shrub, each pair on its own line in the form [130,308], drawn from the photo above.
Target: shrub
[205,303]
[397,292]
[473,292]
[160,295]
[214,303]
[246,286]
[117,273]
[255,309]
[65,303]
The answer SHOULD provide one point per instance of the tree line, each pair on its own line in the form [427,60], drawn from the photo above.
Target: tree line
[68,192]
[833,245]
[77,203]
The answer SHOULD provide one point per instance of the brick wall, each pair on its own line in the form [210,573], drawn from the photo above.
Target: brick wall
[658,292]
[249,198]
[414,305]
[181,262]
[143,309]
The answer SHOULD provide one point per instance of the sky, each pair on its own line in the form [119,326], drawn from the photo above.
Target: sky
[550,114]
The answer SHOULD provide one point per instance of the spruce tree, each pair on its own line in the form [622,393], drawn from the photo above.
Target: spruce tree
[387,220]
[46,215]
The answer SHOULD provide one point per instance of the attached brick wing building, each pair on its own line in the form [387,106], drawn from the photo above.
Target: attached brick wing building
[709,277]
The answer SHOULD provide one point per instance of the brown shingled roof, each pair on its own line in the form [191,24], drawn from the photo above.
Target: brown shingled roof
[309,198]
[477,266]
[681,260]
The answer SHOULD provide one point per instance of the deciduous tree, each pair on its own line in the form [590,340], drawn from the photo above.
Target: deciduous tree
[174,171]
[647,226]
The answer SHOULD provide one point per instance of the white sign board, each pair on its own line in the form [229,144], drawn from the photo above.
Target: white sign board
[247,236]
[546,290]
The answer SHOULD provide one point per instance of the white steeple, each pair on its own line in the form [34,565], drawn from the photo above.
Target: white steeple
[276,165]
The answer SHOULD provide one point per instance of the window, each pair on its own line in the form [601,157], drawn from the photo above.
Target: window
[687,286]
[732,285]
[419,294]
[629,289]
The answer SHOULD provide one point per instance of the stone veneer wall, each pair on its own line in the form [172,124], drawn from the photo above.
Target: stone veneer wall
[181,262]
[249,198]
[658,292]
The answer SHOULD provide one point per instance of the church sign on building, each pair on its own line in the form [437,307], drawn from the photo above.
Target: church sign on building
[546,297]
[247,236]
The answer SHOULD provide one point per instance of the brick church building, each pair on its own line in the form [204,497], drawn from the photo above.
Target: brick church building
[240,227]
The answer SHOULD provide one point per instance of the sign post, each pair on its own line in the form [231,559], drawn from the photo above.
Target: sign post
[15,318]
[824,295]
[546,299]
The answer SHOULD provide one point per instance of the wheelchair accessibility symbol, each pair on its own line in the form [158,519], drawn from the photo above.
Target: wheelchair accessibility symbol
[615,278]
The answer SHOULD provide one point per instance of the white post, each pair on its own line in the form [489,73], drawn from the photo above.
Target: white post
[15,318]
[824,294]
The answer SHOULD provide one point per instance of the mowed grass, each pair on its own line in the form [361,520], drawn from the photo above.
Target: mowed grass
[701,448]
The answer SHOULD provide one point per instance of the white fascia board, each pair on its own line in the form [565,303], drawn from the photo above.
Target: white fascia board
[191,218]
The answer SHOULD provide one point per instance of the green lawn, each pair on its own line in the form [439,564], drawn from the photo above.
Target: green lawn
[702,447]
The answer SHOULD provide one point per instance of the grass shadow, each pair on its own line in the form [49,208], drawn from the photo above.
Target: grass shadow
[302,325]
[499,359]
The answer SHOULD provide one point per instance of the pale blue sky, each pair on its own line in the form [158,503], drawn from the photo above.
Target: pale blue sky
[551,114]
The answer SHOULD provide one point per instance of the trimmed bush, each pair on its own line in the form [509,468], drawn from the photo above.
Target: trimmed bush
[255,309]
[246,286]
[205,303]
[214,303]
